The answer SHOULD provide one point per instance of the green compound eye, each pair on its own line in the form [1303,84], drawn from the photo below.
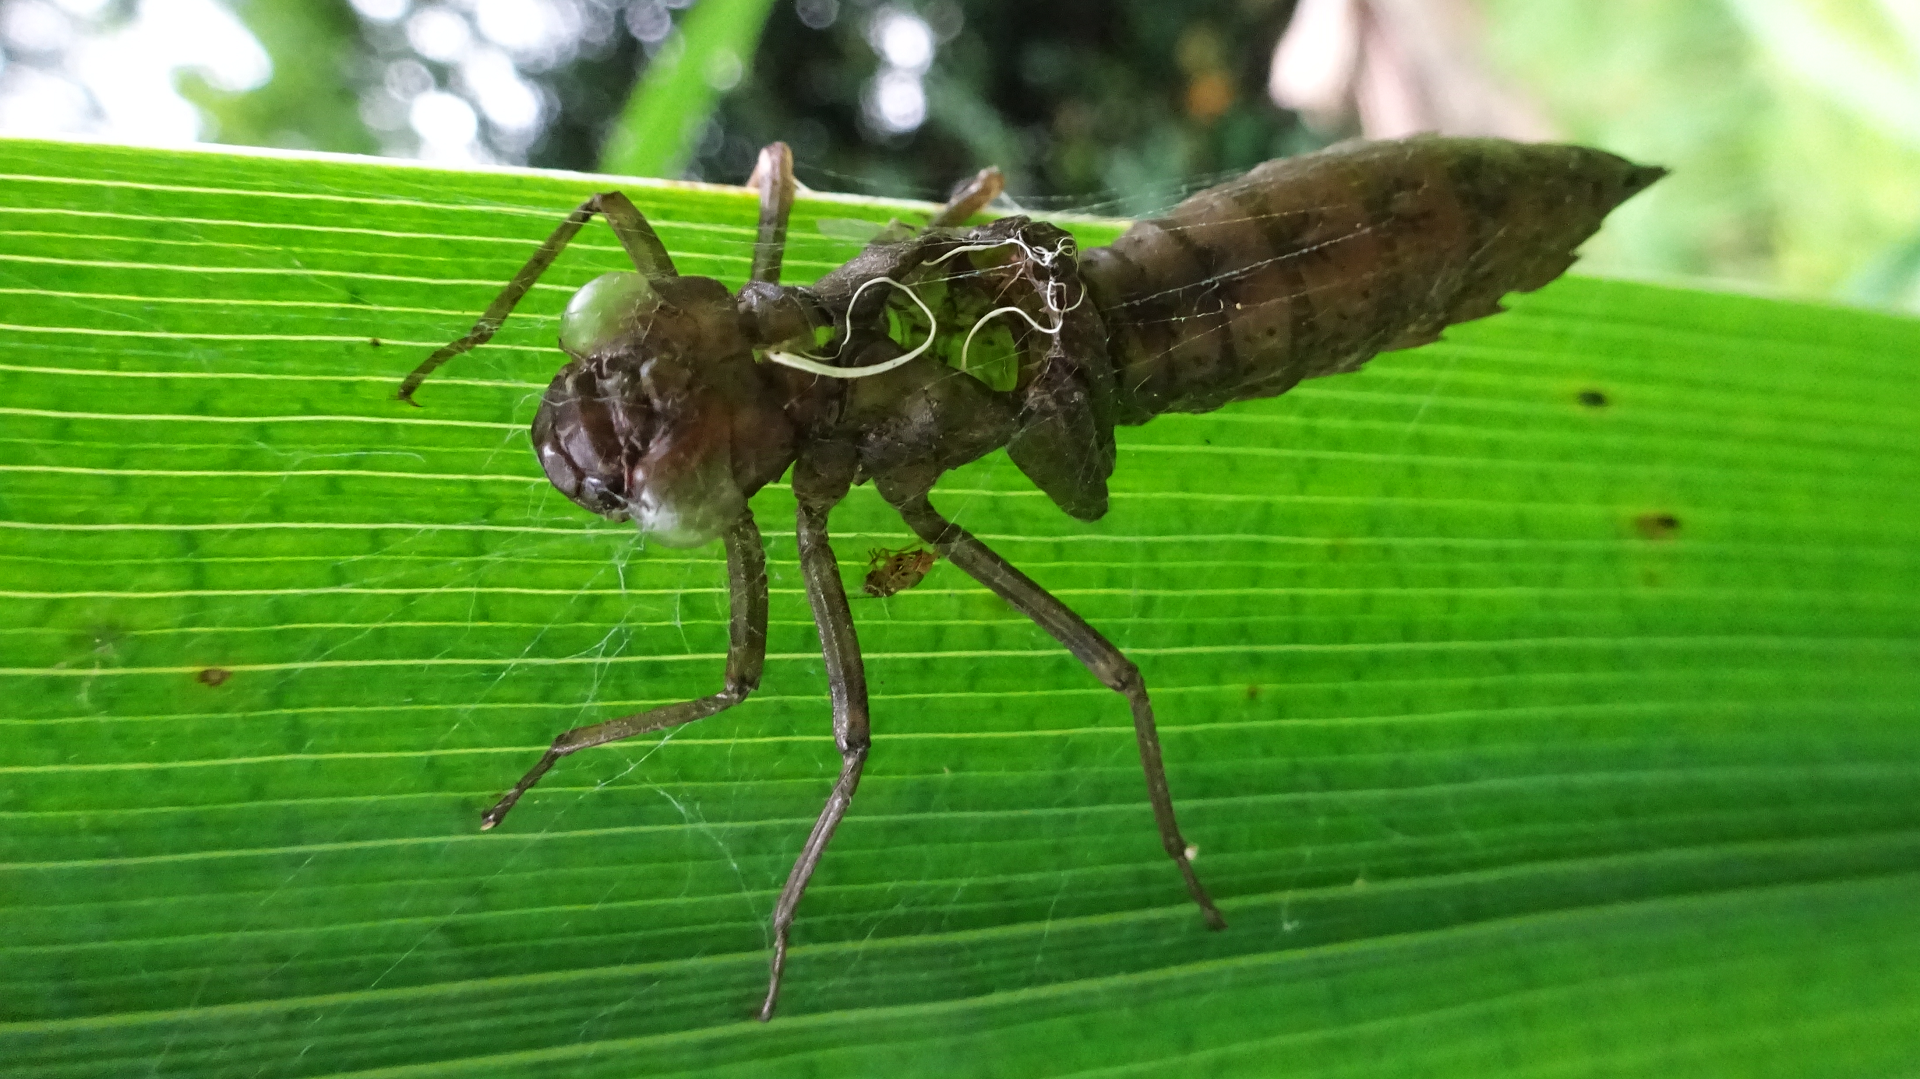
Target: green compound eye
[607,307]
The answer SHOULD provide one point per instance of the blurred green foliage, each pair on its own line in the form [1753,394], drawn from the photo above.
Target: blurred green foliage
[313,99]
[656,132]
[1779,178]
[1081,103]
[1792,126]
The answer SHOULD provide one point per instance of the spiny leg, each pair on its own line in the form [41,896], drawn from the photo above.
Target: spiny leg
[773,178]
[746,655]
[642,245]
[969,198]
[847,686]
[1098,654]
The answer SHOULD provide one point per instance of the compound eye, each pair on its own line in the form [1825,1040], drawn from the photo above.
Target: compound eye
[579,442]
[598,497]
[607,309]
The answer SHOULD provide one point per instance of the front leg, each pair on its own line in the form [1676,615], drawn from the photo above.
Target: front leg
[637,238]
[746,655]
[1098,654]
[846,685]
[773,179]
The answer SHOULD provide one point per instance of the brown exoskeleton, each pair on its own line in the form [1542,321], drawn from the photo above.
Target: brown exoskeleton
[680,399]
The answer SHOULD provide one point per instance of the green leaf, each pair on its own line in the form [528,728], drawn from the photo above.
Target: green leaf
[1542,701]
[656,131]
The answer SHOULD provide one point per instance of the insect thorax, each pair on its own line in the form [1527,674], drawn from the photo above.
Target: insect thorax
[1020,361]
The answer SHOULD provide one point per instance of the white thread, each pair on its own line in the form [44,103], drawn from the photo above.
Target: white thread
[968,343]
[1044,258]
[804,363]
[1052,289]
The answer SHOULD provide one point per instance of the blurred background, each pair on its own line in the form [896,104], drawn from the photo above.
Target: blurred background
[1792,126]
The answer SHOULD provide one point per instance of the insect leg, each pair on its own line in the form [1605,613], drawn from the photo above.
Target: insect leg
[636,236]
[1107,663]
[847,685]
[773,178]
[969,198]
[746,655]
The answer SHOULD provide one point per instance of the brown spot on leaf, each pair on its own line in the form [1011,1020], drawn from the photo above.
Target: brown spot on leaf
[374,341]
[1592,398]
[1656,526]
[213,676]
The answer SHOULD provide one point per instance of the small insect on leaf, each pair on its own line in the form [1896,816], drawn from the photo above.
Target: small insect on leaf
[889,572]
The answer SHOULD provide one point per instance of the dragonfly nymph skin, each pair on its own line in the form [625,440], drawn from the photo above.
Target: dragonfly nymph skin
[934,347]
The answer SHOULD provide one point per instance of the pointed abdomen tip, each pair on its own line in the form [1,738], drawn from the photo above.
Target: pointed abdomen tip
[1641,177]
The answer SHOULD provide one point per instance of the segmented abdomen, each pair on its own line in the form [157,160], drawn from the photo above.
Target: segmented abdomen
[1310,265]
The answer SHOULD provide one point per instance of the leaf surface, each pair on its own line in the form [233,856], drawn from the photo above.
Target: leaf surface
[1542,701]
